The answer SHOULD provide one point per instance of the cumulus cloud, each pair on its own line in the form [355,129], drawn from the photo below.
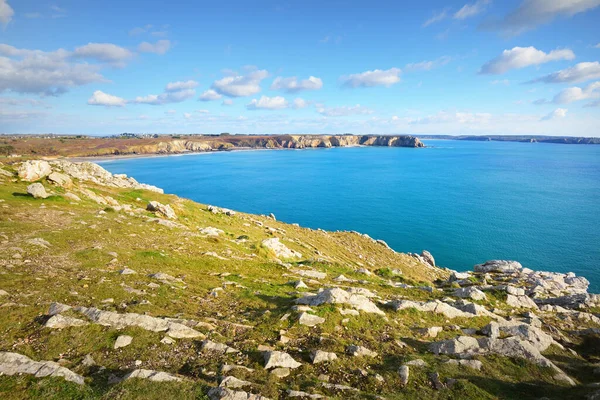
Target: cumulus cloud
[444,117]
[300,103]
[44,73]
[521,57]
[6,13]
[532,13]
[209,95]
[160,47]
[581,72]
[104,52]
[436,17]
[177,86]
[556,114]
[240,85]
[99,98]
[372,78]
[428,65]
[569,95]
[471,10]
[227,102]
[344,111]
[175,92]
[293,85]
[267,103]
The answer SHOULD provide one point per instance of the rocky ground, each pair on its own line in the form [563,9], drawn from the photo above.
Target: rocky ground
[111,289]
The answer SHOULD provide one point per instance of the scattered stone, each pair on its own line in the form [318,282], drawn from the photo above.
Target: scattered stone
[3,292]
[60,179]
[279,249]
[416,363]
[470,293]
[37,190]
[57,308]
[319,356]
[233,383]
[297,393]
[404,372]
[88,361]
[340,296]
[280,372]
[154,376]
[71,196]
[520,301]
[219,210]
[221,393]
[39,242]
[274,359]
[436,382]
[208,345]
[309,319]
[425,255]
[122,341]
[127,271]
[14,363]
[167,340]
[162,209]
[345,311]
[360,351]
[60,322]
[431,332]
[473,364]
[210,231]
[300,285]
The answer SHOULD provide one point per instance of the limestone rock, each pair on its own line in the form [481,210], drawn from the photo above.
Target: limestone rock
[162,209]
[404,372]
[279,249]
[428,258]
[39,242]
[280,372]
[435,306]
[221,393]
[233,383]
[34,170]
[470,293]
[360,351]
[210,231]
[154,376]
[60,321]
[123,341]
[309,319]
[37,191]
[319,356]
[416,363]
[340,296]
[57,308]
[520,302]
[60,179]
[274,359]
[208,345]
[14,363]
[473,364]
[499,266]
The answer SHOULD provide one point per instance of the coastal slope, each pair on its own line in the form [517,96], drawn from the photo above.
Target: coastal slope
[111,288]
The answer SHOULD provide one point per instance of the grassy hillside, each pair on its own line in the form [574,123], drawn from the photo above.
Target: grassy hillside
[234,291]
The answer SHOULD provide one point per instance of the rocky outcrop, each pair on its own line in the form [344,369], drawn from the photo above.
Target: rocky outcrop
[34,170]
[164,210]
[37,190]
[279,249]
[16,364]
[340,296]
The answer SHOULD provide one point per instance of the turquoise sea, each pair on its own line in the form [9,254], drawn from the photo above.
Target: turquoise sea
[465,202]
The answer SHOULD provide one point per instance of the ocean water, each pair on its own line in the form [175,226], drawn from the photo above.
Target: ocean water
[465,202]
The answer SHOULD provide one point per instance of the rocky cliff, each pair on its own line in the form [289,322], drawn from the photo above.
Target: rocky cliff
[110,288]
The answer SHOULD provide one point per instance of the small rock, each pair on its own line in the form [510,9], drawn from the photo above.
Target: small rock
[37,191]
[360,351]
[404,373]
[123,341]
[319,356]
[274,359]
[309,319]
[281,372]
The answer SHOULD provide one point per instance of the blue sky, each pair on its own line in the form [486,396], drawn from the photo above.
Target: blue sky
[381,67]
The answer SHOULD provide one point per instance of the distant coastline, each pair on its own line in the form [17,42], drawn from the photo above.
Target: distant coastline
[517,138]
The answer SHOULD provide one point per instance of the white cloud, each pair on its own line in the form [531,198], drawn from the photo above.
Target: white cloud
[171,112]
[299,103]
[521,57]
[437,17]
[372,78]
[203,111]
[240,85]
[292,85]
[187,115]
[160,47]
[175,92]
[453,117]
[500,82]
[344,111]
[471,10]
[99,98]
[569,95]
[556,114]
[227,102]
[267,103]
[45,73]
[581,72]
[428,65]
[176,86]
[532,13]
[210,95]
[104,52]
[6,13]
